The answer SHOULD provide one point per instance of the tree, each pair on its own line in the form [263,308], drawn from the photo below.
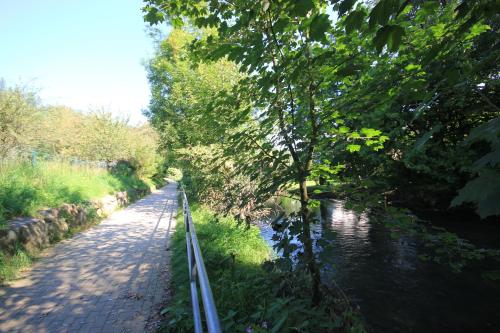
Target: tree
[191,131]
[18,120]
[426,101]
[182,91]
[273,45]
[61,131]
[311,90]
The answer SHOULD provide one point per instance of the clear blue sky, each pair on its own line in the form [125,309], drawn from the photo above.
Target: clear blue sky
[80,53]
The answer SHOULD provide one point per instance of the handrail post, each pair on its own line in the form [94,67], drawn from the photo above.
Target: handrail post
[198,273]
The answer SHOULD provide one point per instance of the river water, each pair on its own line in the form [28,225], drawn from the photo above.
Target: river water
[395,290]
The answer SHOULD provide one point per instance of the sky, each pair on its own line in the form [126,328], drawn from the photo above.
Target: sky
[85,54]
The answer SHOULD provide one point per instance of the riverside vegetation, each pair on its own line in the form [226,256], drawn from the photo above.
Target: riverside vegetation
[391,105]
[251,295]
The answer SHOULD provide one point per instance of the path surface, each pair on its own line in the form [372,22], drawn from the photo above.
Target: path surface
[111,278]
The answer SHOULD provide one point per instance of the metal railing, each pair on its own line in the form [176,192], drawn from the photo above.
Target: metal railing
[198,272]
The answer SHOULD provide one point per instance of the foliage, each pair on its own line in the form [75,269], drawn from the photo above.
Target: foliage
[426,100]
[378,96]
[485,188]
[232,256]
[58,131]
[188,130]
[181,93]
[276,112]
[174,173]
[18,117]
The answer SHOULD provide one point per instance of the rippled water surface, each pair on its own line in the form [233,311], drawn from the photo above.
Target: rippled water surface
[395,290]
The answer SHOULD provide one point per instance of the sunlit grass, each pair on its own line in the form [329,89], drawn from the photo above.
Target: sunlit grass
[25,189]
[11,265]
[233,255]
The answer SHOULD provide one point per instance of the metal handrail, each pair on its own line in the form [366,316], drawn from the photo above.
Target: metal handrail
[197,269]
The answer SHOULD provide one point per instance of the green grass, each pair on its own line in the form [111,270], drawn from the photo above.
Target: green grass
[25,189]
[295,186]
[233,256]
[10,265]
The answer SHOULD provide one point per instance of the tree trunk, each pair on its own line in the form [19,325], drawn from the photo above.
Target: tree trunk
[308,247]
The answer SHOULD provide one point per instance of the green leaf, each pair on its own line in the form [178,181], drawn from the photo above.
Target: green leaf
[382,11]
[354,20]
[381,38]
[489,131]
[484,191]
[493,275]
[412,67]
[153,16]
[302,7]
[490,159]
[319,25]
[462,10]
[438,30]
[344,129]
[347,70]
[430,7]
[353,148]
[419,144]
[374,15]
[346,6]
[370,132]
[390,35]
[355,135]
[397,33]
[279,324]
[281,24]
[476,30]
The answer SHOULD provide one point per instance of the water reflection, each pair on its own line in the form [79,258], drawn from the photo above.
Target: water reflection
[395,290]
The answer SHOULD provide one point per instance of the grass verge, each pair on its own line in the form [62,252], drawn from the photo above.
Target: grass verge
[233,257]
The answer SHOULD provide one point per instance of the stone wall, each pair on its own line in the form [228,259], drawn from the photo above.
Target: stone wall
[53,224]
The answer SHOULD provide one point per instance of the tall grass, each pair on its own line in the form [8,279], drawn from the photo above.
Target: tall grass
[233,256]
[11,265]
[25,189]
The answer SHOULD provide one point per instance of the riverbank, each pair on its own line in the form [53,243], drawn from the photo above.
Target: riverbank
[251,293]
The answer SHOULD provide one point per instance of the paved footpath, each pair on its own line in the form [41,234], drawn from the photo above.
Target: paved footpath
[110,278]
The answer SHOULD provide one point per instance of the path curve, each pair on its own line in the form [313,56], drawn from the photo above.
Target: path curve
[110,278]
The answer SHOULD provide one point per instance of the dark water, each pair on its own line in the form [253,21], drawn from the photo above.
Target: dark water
[396,291]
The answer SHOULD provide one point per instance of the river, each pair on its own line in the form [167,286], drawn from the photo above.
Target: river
[395,290]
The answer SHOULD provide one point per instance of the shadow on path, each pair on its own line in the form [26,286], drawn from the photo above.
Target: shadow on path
[110,278]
